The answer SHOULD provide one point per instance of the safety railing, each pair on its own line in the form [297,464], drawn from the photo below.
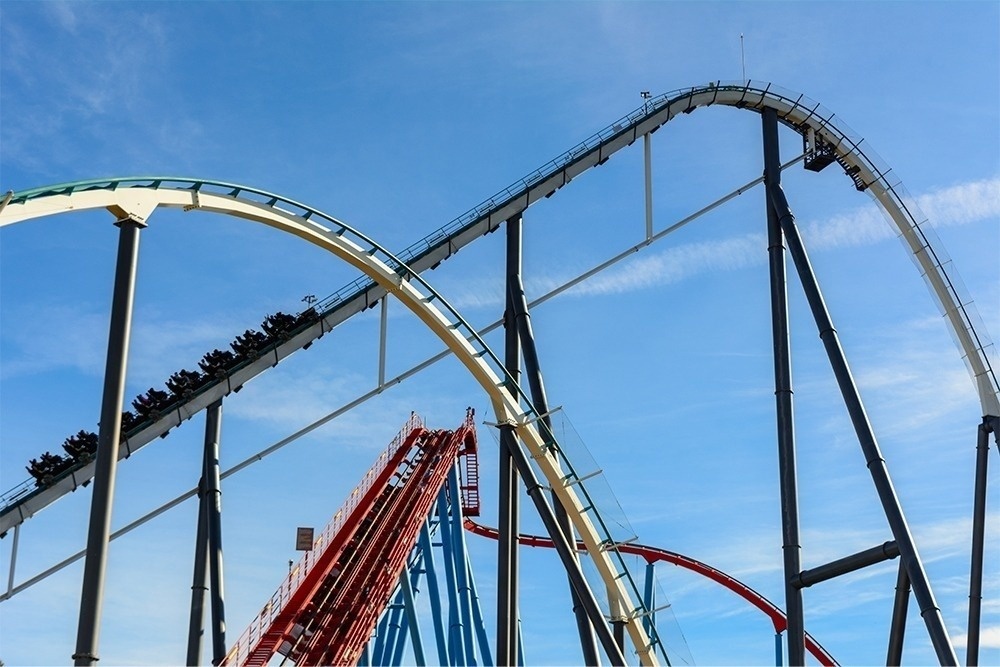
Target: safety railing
[262,621]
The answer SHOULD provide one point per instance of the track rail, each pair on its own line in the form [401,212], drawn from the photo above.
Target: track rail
[385,273]
[129,195]
[657,555]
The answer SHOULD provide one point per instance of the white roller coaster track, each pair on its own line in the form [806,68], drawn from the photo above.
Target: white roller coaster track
[399,276]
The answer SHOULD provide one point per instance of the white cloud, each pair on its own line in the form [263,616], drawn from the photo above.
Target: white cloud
[989,637]
[957,205]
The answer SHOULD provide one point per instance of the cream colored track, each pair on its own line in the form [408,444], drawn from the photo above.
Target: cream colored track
[419,298]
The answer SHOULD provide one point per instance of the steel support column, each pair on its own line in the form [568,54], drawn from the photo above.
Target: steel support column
[897,628]
[106,465]
[477,619]
[508,523]
[791,549]
[539,399]
[458,553]
[648,169]
[862,427]
[989,425]
[434,594]
[456,643]
[213,511]
[199,581]
[567,554]
[13,560]
[411,616]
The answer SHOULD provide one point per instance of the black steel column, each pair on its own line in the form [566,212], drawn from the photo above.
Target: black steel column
[978,538]
[897,628]
[567,554]
[919,582]
[783,400]
[199,581]
[539,399]
[213,509]
[106,464]
[507,557]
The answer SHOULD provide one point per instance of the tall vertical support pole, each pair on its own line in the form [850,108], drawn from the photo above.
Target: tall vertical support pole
[567,555]
[411,617]
[518,301]
[779,659]
[213,504]
[507,556]
[461,566]
[395,657]
[13,559]
[978,538]
[477,618]
[383,328]
[897,628]
[199,581]
[384,631]
[434,594]
[908,554]
[791,549]
[106,465]
[647,152]
[649,598]
[456,644]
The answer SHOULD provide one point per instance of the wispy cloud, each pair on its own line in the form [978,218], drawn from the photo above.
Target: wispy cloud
[956,205]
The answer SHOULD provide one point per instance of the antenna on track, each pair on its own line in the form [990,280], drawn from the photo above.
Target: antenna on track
[743,60]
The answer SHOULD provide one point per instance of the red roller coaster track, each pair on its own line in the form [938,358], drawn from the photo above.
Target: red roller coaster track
[655,555]
[325,611]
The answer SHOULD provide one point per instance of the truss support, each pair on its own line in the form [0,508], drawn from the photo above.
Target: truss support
[109,436]
[791,548]
[873,456]
[989,425]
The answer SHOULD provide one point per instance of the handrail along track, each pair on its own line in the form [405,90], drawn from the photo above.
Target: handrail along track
[807,118]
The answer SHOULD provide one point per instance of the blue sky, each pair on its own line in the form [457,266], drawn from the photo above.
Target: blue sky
[397,118]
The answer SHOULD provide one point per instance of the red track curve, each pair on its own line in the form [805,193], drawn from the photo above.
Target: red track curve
[654,555]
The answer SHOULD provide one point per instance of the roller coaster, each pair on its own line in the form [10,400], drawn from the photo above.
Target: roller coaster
[350,598]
